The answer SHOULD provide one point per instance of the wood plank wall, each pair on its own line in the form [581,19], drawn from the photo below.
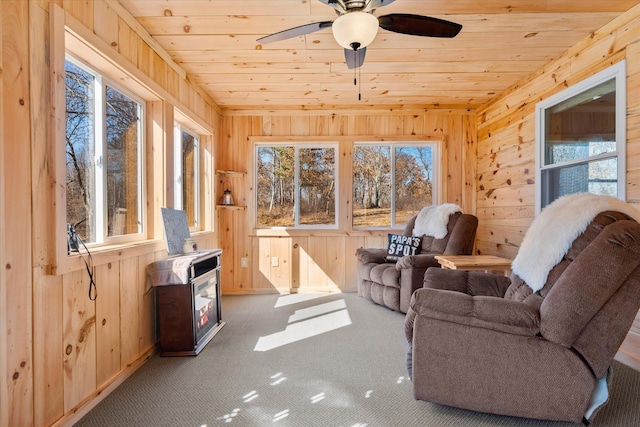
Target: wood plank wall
[53,339]
[506,139]
[17,369]
[324,260]
[58,349]
[4,342]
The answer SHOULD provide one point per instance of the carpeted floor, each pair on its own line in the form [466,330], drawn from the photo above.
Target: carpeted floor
[306,360]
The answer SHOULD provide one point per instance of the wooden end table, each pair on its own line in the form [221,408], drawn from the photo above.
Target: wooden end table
[475,263]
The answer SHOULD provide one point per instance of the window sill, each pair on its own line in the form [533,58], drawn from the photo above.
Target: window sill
[105,254]
[267,232]
[112,253]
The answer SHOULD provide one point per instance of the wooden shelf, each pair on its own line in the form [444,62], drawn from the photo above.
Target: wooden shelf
[231,207]
[231,174]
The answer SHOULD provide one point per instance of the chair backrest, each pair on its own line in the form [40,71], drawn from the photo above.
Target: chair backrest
[519,290]
[592,295]
[460,238]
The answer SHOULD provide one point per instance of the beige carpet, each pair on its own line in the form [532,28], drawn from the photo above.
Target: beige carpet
[307,360]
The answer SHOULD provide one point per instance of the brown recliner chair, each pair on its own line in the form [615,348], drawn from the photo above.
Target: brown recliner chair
[489,343]
[391,283]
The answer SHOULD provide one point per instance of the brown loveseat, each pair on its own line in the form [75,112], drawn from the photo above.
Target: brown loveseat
[391,283]
[489,343]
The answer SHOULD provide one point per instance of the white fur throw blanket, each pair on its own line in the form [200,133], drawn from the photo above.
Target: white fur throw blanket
[553,231]
[433,220]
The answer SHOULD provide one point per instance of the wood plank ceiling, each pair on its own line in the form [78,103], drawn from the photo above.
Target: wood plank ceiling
[501,42]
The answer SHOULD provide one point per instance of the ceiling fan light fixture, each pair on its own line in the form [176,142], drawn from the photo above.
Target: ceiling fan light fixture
[355,30]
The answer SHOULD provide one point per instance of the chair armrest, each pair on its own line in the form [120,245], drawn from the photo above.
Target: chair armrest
[367,255]
[473,283]
[409,320]
[590,281]
[497,314]
[417,261]
[412,269]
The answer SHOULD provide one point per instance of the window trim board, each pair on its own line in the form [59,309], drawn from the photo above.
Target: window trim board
[344,169]
[617,71]
[65,31]
[297,145]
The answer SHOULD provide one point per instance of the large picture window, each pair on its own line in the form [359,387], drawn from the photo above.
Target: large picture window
[103,156]
[392,182]
[186,173]
[296,185]
[581,138]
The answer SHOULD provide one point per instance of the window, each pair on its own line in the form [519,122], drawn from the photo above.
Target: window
[103,157]
[392,182]
[296,185]
[186,174]
[581,137]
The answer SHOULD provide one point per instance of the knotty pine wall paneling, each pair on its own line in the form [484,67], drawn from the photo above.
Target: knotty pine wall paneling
[16,396]
[4,353]
[108,320]
[79,340]
[506,141]
[61,352]
[633,123]
[48,357]
[324,260]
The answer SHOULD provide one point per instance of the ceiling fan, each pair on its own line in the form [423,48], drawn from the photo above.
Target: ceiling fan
[356,27]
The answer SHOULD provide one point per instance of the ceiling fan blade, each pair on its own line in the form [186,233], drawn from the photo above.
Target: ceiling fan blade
[355,58]
[338,5]
[374,4]
[418,25]
[295,32]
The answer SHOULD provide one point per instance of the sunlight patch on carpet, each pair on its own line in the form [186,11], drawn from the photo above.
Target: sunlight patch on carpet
[307,323]
[318,397]
[281,415]
[317,310]
[291,299]
[227,418]
[250,396]
[277,379]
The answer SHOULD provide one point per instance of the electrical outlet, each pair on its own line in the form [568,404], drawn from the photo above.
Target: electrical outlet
[275,261]
[244,263]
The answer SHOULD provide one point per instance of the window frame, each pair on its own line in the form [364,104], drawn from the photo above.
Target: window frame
[617,72]
[67,34]
[102,80]
[297,145]
[179,128]
[435,180]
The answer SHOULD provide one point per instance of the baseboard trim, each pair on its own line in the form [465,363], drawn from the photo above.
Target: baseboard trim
[250,291]
[632,361]
[629,351]
[286,291]
[83,408]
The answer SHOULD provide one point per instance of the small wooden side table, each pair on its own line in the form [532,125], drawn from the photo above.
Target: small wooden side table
[475,263]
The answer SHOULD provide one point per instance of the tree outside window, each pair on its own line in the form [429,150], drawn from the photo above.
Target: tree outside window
[80,147]
[296,186]
[186,171]
[103,146]
[391,183]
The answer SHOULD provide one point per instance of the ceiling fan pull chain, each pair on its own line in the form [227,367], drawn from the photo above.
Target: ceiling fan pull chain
[359,81]
[355,79]
[356,70]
